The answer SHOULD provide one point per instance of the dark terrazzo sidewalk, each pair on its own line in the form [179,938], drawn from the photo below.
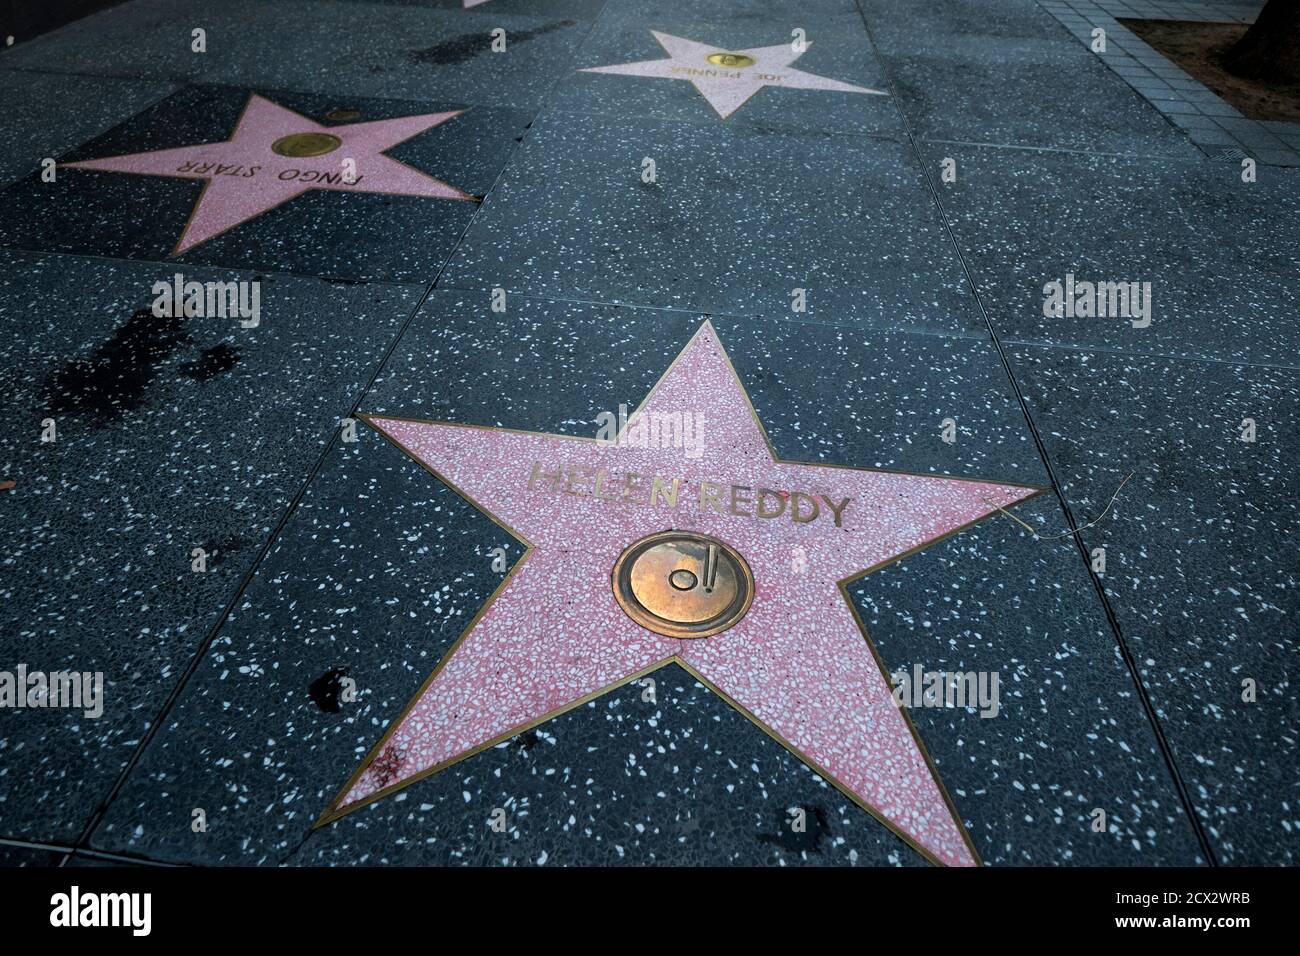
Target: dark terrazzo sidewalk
[343,559]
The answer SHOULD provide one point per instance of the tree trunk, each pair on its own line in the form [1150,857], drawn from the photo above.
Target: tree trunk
[1270,50]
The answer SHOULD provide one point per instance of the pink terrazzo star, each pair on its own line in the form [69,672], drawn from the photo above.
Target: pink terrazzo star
[797,663]
[727,88]
[245,176]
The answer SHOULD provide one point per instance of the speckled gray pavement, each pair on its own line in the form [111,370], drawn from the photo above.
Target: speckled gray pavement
[1158,687]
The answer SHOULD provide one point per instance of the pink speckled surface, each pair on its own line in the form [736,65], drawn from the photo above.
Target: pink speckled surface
[727,88]
[797,662]
[251,182]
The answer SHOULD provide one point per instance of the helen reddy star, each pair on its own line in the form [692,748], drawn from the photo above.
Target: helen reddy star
[728,78]
[275,154]
[726,561]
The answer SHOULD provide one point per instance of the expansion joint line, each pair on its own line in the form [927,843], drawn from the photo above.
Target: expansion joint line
[1130,662]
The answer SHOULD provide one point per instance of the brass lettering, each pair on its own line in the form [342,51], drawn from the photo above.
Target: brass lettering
[709,495]
[601,475]
[780,501]
[552,476]
[568,482]
[795,498]
[657,490]
[631,488]
[838,512]
[628,481]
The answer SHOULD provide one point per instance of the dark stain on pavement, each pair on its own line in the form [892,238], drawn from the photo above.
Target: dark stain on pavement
[114,378]
[809,841]
[326,691]
[211,363]
[469,45]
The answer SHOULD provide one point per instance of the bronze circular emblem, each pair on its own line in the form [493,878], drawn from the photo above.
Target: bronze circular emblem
[343,114]
[306,144]
[733,60]
[683,584]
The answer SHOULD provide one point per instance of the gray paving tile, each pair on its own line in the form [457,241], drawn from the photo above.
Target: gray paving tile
[564,9]
[1152,86]
[46,115]
[1278,157]
[1195,122]
[721,13]
[1200,562]
[1011,91]
[1240,124]
[735,222]
[1220,254]
[319,46]
[1158,96]
[1219,108]
[12,856]
[1213,137]
[82,860]
[1256,141]
[992,18]
[172,434]
[1281,128]
[1071,737]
